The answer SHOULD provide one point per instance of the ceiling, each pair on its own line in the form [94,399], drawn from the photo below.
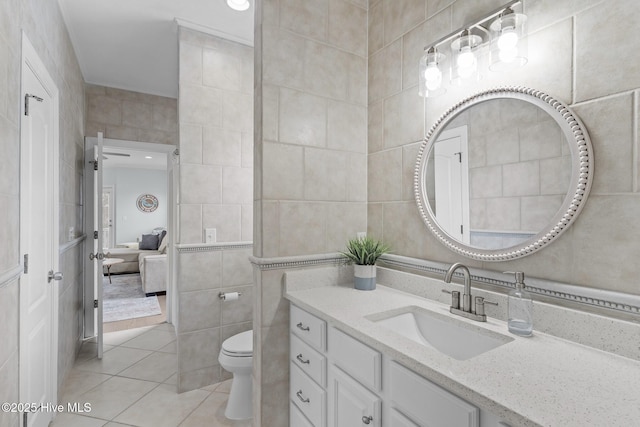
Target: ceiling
[118,157]
[133,44]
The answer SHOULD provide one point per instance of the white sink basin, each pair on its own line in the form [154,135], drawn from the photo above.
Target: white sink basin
[448,335]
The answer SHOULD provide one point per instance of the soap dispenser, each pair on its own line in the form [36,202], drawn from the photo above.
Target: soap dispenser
[520,308]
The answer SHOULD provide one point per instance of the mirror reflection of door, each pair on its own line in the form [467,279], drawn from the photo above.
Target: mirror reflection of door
[107,217]
[452,183]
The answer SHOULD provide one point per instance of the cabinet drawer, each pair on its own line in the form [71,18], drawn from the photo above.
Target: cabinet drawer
[308,327]
[296,419]
[308,397]
[310,361]
[427,403]
[355,358]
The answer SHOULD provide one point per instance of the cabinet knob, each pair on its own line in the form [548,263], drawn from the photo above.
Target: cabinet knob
[367,420]
[302,327]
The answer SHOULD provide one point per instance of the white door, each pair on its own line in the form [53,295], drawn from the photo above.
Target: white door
[350,403]
[38,237]
[452,183]
[94,246]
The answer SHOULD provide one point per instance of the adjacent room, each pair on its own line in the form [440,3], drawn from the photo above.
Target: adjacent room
[276,213]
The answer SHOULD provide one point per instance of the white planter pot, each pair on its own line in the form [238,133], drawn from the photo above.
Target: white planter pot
[364,277]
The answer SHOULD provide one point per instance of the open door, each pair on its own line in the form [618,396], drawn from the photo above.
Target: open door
[452,183]
[93,248]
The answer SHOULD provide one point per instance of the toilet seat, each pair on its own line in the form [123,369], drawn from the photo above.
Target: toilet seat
[240,345]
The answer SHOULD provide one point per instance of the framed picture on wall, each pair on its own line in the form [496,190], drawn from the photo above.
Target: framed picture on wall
[147,202]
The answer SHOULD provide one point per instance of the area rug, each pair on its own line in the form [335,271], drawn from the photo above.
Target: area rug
[122,286]
[125,299]
[129,308]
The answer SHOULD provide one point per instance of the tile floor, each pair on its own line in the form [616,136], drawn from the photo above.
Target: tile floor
[135,385]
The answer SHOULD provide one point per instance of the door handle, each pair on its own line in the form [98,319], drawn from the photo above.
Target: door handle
[54,276]
[301,359]
[302,398]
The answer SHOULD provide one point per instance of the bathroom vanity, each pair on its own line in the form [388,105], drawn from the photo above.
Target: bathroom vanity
[350,366]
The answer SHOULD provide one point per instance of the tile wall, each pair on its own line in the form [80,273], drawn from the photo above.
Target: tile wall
[216,191]
[216,138]
[205,321]
[592,71]
[132,116]
[311,171]
[42,22]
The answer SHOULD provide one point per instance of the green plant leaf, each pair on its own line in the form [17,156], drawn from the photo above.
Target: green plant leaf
[365,250]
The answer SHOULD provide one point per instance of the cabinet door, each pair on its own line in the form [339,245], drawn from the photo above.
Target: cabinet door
[350,403]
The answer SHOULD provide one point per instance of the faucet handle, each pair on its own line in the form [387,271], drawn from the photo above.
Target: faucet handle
[480,302]
[455,298]
[519,275]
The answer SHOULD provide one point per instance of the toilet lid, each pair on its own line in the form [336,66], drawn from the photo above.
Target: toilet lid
[241,343]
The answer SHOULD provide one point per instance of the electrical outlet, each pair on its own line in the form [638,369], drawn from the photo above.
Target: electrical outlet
[361,234]
[210,235]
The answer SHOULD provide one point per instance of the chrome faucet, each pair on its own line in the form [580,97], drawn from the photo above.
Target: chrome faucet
[472,308]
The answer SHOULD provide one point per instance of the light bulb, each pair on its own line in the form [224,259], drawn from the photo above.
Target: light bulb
[467,62]
[433,76]
[508,39]
[466,58]
[238,4]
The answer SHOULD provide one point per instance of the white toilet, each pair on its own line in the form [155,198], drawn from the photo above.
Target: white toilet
[236,356]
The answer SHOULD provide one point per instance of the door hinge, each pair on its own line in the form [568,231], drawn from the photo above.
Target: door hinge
[95,165]
[93,256]
[27,96]
[461,229]
[24,419]
[95,235]
[95,303]
[26,263]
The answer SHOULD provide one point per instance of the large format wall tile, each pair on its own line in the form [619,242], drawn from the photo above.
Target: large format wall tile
[346,21]
[401,16]
[618,59]
[610,127]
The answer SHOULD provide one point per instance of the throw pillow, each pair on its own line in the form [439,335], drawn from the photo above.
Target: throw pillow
[163,245]
[149,242]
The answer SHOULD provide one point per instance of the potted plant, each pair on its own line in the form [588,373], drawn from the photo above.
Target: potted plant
[364,252]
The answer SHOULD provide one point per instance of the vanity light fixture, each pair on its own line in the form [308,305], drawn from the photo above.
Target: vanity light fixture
[465,50]
[508,41]
[501,35]
[431,73]
[240,5]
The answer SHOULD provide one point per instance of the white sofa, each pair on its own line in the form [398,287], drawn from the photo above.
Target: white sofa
[152,266]
[153,272]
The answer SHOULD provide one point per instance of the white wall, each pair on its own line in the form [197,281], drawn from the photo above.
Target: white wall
[130,222]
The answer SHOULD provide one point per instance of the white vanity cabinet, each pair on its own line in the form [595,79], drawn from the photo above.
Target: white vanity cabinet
[337,381]
[307,375]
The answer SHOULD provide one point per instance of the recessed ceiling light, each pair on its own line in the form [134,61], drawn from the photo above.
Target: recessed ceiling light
[238,4]
[148,157]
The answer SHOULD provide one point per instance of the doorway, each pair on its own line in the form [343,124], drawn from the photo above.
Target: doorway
[128,170]
[39,231]
[452,183]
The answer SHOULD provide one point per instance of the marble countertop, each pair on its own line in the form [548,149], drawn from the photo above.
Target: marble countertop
[537,381]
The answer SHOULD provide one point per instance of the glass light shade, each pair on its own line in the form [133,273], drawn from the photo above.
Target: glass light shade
[508,41]
[240,5]
[465,67]
[430,73]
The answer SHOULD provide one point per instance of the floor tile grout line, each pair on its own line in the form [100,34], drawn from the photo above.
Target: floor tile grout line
[134,402]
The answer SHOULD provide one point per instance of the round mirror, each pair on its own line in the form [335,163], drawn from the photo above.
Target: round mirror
[503,173]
